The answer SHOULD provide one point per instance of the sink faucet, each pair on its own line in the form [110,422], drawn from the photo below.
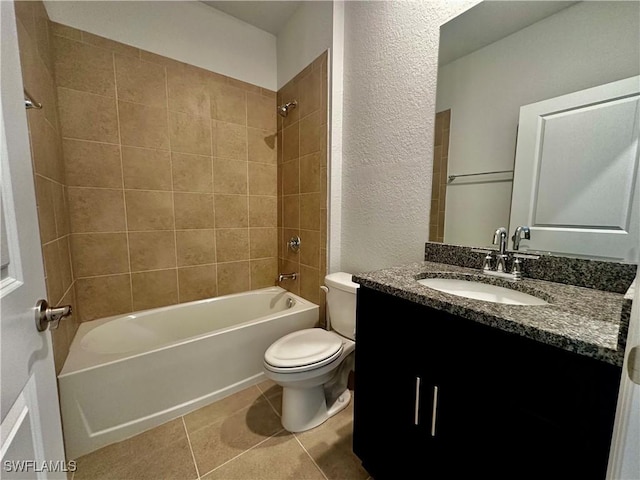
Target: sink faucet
[500,238]
[517,236]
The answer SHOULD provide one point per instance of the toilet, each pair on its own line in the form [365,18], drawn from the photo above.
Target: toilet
[313,365]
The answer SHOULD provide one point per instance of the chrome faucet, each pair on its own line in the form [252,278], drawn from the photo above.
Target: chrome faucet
[287,276]
[500,238]
[517,236]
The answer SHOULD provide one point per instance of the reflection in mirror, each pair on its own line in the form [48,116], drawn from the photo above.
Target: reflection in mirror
[494,59]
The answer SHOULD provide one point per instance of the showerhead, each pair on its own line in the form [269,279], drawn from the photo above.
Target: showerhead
[283,110]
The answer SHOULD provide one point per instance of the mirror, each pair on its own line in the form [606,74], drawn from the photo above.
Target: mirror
[495,58]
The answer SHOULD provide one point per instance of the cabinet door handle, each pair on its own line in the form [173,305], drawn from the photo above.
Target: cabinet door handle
[434,413]
[416,414]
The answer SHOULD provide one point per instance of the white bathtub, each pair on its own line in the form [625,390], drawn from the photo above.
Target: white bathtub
[129,373]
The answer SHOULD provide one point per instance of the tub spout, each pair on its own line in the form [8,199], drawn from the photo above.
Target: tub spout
[287,276]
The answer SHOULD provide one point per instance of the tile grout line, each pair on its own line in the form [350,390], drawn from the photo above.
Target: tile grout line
[268,401]
[312,459]
[193,456]
[246,145]
[124,197]
[247,450]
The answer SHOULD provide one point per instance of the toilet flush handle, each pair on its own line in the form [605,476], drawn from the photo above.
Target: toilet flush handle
[326,315]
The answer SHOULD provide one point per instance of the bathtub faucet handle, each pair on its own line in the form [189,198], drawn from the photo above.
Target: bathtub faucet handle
[287,276]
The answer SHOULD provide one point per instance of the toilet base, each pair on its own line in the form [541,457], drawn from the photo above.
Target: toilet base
[304,409]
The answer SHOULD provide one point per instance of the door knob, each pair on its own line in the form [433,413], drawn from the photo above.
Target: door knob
[46,315]
[633,364]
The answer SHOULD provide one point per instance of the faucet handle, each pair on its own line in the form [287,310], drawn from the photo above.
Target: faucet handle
[486,264]
[520,231]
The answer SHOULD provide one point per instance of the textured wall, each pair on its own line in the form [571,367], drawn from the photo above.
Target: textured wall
[390,69]
[171,173]
[36,60]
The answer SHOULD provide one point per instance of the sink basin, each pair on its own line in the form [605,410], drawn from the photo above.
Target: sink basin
[481,291]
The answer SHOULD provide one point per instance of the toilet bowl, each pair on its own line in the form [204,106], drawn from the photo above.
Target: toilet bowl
[313,365]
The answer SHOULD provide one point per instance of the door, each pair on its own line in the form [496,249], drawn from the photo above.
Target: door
[576,176]
[30,433]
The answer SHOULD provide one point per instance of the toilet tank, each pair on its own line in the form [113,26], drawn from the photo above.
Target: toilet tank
[341,303]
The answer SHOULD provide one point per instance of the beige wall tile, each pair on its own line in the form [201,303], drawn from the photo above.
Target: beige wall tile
[188,90]
[83,67]
[141,82]
[261,146]
[99,254]
[261,112]
[264,273]
[190,134]
[310,283]
[291,211]
[159,59]
[154,289]
[264,242]
[64,250]
[310,211]
[152,250]
[46,211]
[192,173]
[96,210]
[263,211]
[229,176]
[289,93]
[53,271]
[310,132]
[310,248]
[91,164]
[86,116]
[45,147]
[228,103]
[25,14]
[233,277]
[193,210]
[143,126]
[100,297]
[232,244]
[64,31]
[231,211]
[195,247]
[146,169]
[310,173]
[262,179]
[243,85]
[309,93]
[115,47]
[287,253]
[290,177]
[229,141]
[197,283]
[149,210]
[290,143]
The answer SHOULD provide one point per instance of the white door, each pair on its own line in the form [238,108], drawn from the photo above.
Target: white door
[30,433]
[576,176]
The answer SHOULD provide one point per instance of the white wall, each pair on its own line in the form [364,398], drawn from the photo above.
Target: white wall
[306,35]
[390,69]
[582,46]
[187,31]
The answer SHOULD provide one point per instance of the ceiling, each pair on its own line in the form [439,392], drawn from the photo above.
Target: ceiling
[270,16]
[488,22]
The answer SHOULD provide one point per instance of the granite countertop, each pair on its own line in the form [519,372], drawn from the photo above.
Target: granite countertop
[582,320]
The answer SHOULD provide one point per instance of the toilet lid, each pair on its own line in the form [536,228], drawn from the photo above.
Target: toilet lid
[312,346]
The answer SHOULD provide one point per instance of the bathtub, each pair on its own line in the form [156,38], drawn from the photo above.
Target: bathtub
[129,373]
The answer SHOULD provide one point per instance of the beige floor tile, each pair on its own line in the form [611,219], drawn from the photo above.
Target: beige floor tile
[279,458]
[330,445]
[162,452]
[223,408]
[273,392]
[216,443]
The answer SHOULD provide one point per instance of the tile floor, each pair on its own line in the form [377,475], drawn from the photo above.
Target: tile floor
[239,437]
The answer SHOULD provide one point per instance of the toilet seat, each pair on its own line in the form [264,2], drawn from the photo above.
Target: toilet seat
[303,350]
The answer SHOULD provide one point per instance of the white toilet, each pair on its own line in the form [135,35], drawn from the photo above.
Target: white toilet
[313,365]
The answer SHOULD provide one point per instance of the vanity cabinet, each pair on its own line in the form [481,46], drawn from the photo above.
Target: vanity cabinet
[440,396]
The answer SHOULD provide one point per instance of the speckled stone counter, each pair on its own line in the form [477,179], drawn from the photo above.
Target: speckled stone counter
[581,320]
